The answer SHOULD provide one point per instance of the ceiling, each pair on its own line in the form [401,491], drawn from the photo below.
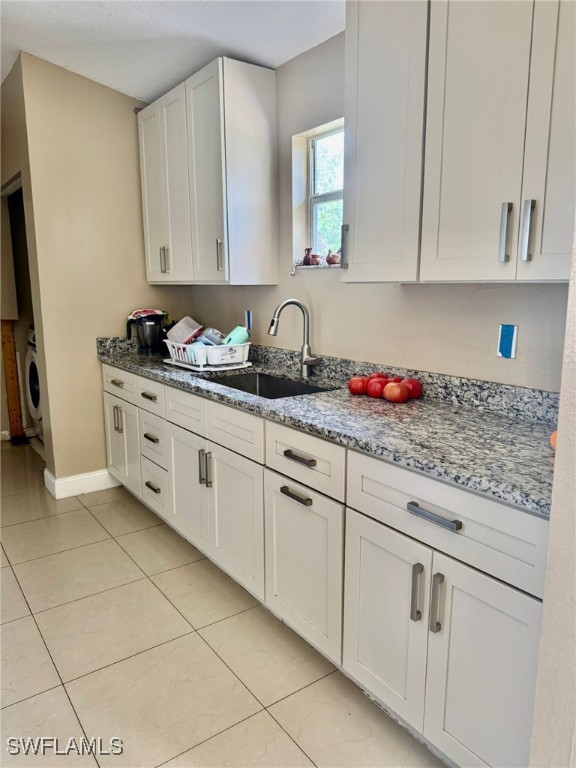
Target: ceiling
[143,47]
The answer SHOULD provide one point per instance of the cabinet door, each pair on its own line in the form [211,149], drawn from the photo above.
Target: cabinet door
[123,442]
[236,493]
[186,470]
[386,614]
[304,561]
[549,161]
[207,173]
[476,111]
[385,95]
[482,663]
[156,488]
[166,208]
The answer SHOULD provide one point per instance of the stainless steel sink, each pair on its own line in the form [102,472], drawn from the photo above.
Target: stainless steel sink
[265,385]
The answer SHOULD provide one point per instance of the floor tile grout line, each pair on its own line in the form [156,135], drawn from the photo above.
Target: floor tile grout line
[300,747]
[85,597]
[244,719]
[232,615]
[55,667]
[130,656]
[33,695]
[69,549]
[42,517]
[302,689]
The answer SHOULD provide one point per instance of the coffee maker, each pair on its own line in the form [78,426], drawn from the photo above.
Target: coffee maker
[149,324]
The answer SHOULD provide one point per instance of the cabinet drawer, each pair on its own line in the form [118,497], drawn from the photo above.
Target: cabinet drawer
[186,410]
[312,461]
[304,542]
[150,396]
[240,431]
[495,538]
[119,383]
[153,438]
[155,487]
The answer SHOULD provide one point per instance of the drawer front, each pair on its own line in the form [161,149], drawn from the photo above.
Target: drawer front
[155,487]
[304,544]
[153,438]
[186,410]
[237,430]
[500,540]
[119,383]
[150,396]
[306,458]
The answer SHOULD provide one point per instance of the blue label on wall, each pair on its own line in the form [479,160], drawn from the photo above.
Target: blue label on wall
[507,341]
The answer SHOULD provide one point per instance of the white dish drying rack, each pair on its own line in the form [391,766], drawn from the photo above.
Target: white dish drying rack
[223,357]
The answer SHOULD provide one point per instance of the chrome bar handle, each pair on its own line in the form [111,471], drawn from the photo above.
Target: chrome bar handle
[151,438]
[304,500]
[149,396]
[208,465]
[437,581]
[219,254]
[529,206]
[414,508]
[202,466]
[115,417]
[120,419]
[503,257]
[152,487]
[167,260]
[343,243]
[417,571]
[162,259]
[299,459]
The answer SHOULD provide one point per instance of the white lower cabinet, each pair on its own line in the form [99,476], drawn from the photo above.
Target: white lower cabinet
[186,462]
[482,665]
[450,650]
[155,487]
[386,607]
[304,561]
[122,442]
[236,516]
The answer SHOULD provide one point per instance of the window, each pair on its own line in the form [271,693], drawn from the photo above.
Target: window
[326,181]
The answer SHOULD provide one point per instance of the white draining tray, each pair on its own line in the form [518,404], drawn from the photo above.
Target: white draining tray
[208,368]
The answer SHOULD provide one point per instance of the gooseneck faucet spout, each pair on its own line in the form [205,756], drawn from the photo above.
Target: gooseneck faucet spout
[307,359]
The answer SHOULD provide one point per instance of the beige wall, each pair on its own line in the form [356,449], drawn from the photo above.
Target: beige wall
[445,328]
[88,261]
[554,732]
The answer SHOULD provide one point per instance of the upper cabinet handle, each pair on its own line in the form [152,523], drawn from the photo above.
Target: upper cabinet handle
[504,219]
[299,459]
[414,508]
[343,246]
[167,261]
[219,254]
[529,206]
[162,259]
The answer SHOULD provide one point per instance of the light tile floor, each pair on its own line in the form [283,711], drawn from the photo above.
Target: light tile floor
[114,626]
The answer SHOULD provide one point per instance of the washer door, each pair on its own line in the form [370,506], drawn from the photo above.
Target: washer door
[33,386]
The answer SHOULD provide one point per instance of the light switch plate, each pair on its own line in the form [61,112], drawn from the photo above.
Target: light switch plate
[507,338]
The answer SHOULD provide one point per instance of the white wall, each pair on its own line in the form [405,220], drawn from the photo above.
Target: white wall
[444,328]
[554,732]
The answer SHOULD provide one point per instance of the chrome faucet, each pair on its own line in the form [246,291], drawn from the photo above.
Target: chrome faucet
[307,359]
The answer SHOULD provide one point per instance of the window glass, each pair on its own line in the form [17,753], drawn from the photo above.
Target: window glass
[328,163]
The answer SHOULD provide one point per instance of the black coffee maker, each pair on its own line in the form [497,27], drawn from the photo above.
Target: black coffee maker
[149,324]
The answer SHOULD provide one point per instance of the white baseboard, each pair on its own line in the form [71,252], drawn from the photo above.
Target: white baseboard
[74,485]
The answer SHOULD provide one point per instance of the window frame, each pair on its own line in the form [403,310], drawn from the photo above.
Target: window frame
[324,197]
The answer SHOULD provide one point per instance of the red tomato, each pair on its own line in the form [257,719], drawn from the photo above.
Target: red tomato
[357,385]
[395,378]
[377,376]
[396,392]
[414,387]
[375,388]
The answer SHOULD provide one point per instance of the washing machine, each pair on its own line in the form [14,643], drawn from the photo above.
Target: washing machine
[33,397]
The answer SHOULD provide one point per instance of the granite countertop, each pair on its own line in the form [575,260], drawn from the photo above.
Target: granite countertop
[505,458]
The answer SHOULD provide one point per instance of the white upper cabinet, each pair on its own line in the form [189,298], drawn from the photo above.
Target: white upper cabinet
[385,96]
[490,62]
[550,163]
[165,202]
[208,152]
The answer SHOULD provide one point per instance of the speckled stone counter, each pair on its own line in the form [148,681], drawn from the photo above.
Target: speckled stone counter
[477,448]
